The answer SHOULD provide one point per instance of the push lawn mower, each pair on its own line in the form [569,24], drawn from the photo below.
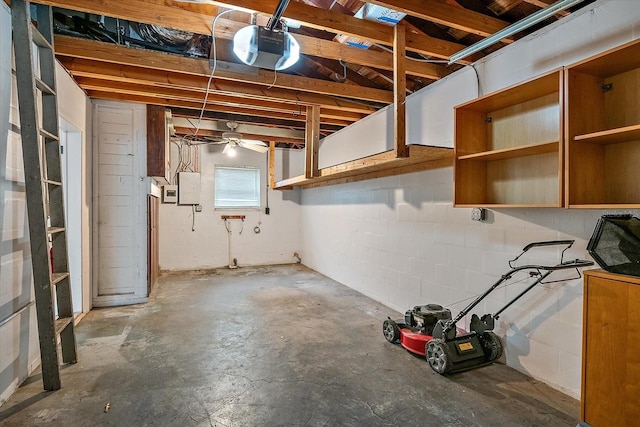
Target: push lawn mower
[430,331]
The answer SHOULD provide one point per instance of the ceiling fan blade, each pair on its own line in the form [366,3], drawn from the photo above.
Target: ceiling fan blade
[227,147]
[253,142]
[254,147]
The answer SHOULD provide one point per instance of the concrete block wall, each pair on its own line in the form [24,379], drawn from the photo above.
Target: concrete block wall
[207,246]
[400,241]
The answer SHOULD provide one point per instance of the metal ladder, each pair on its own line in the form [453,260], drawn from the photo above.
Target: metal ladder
[36,84]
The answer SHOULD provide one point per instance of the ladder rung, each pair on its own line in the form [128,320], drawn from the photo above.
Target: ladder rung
[39,39]
[48,135]
[44,88]
[54,230]
[62,323]
[57,277]
[48,181]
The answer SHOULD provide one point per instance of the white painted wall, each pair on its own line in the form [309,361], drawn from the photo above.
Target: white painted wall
[400,241]
[207,246]
[74,108]
[19,350]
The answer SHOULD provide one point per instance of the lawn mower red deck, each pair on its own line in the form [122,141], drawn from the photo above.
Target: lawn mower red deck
[430,331]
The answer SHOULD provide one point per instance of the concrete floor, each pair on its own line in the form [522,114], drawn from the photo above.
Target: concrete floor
[268,346]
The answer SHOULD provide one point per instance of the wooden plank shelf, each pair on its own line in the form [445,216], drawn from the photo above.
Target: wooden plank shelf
[510,153]
[611,136]
[421,157]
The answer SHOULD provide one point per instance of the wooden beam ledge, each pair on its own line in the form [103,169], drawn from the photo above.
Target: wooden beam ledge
[421,157]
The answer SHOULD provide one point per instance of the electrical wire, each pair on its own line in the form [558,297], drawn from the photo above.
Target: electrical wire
[213,68]
[275,77]
[439,61]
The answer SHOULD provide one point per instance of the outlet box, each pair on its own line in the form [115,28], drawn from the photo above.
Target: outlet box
[188,188]
[169,193]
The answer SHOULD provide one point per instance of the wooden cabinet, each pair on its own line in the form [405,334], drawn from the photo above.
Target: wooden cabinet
[508,146]
[611,350]
[603,130]
[158,143]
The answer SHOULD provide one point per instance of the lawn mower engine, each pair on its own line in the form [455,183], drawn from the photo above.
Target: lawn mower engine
[416,329]
[425,317]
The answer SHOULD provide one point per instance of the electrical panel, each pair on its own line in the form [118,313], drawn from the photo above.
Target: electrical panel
[169,193]
[188,188]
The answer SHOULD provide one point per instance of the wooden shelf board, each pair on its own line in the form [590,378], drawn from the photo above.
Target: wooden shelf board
[421,157]
[611,136]
[510,206]
[519,93]
[286,184]
[605,206]
[509,153]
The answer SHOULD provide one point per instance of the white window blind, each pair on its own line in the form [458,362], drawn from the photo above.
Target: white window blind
[237,187]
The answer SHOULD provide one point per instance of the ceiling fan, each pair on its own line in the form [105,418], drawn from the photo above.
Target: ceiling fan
[233,139]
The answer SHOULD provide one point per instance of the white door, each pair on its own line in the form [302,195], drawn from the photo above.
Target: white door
[119,204]
[71,164]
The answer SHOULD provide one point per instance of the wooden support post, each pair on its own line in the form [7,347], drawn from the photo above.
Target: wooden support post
[272,164]
[312,139]
[399,92]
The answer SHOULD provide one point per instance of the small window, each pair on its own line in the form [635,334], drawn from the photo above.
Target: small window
[237,187]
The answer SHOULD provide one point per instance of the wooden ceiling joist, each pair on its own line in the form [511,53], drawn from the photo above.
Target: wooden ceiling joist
[107,52]
[197,95]
[217,134]
[84,68]
[278,123]
[446,14]
[238,111]
[198,18]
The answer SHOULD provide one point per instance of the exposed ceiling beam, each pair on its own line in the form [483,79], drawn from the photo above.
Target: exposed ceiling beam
[107,52]
[325,129]
[132,74]
[243,128]
[236,111]
[337,22]
[218,134]
[544,3]
[445,14]
[198,18]
[99,85]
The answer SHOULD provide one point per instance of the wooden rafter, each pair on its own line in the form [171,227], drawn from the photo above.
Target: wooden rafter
[84,68]
[198,18]
[145,99]
[445,14]
[107,52]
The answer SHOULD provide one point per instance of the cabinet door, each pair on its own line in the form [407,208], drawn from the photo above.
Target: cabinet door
[611,386]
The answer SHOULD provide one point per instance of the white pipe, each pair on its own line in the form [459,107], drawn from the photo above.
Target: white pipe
[514,28]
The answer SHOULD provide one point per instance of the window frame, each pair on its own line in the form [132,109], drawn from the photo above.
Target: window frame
[257,189]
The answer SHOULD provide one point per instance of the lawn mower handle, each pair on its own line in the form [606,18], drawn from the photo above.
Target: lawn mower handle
[548,243]
[548,269]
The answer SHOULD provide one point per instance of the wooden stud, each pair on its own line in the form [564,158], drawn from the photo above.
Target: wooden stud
[272,164]
[312,140]
[399,92]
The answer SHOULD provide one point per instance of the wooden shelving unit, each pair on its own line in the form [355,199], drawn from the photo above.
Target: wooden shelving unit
[602,108]
[509,145]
